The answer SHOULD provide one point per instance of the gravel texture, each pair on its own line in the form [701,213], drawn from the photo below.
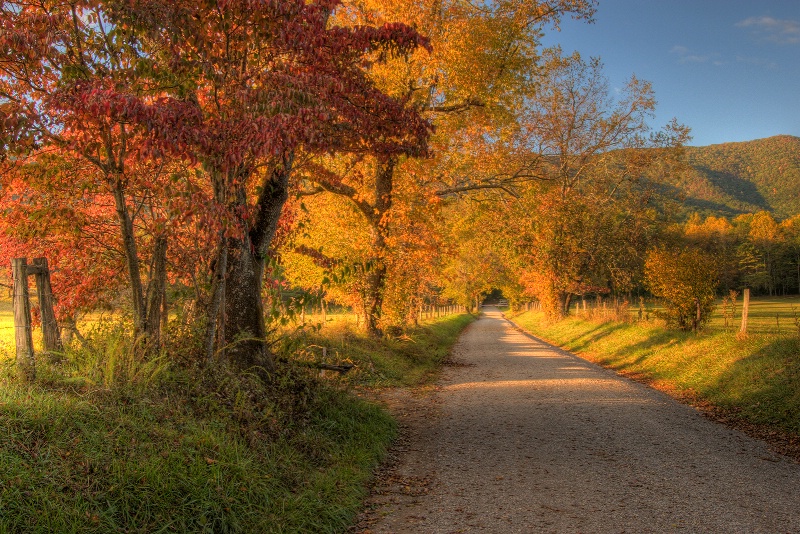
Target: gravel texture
[520,436]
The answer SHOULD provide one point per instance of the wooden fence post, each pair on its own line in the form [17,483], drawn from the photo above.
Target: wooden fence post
[51,335]
[22,319]
[745,309]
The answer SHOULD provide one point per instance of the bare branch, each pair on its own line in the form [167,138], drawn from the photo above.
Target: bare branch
[476,187]
[455,108]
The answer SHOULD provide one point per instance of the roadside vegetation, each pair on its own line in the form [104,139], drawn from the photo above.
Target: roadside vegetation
[102,442]
[753,378]
[182,220]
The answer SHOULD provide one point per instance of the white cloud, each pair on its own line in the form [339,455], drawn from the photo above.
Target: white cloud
[772,29]
[688,56]
[758,62]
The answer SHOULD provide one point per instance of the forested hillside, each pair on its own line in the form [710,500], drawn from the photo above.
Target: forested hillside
[734,178]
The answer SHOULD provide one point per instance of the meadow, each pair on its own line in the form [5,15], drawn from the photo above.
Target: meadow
[6,326]
[767,315]
[104,442]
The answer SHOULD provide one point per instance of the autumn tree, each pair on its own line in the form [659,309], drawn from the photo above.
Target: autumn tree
[716,236]
[687,281]
[482,56]
[255,84]
[72,86]
[752,250]
[790,228]
[586,221]
[481,256]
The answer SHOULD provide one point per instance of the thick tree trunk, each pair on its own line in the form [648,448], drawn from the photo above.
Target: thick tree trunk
[244,331]
[376,279]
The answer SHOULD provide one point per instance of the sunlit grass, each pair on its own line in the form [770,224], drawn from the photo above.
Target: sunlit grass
[767,315]
[172,455]
[6,328]
[105,442]
[757,377]
[165,463]
[87,323]
[409,359]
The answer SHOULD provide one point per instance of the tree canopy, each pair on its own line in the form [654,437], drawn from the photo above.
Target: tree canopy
[381,155]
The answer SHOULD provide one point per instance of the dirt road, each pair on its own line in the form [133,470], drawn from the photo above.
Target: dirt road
[520,436]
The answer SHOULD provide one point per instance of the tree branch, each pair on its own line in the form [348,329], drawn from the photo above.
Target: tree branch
[455,108]
[475,187]
[332,183]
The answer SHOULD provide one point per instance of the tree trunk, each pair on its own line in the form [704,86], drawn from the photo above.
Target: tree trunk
[156,288]
[217,295]
[376,279]
[244,334]
[566,302]
[132,262]
[376,283]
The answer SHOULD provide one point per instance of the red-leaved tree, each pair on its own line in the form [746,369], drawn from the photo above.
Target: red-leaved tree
[74,87]
[256,83]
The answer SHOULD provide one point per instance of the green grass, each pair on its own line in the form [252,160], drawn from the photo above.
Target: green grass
[756,378]
[411,359]
[767,315]
[166,449]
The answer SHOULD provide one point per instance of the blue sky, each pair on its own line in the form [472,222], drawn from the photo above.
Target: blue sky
[729,69]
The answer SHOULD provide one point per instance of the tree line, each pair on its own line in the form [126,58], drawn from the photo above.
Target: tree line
[215,164]
[164,155]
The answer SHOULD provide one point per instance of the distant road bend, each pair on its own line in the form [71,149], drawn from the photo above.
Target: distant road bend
[520,436]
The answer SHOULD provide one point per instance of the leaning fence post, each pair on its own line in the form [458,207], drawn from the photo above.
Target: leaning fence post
[51,336]
[745,309]
[22,319]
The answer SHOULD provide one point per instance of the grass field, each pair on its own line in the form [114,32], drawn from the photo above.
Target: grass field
[767,315]
[6,327]
[172,449]
[7,330]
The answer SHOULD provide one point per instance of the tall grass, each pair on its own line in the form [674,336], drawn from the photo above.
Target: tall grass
[410,359]
[105,441]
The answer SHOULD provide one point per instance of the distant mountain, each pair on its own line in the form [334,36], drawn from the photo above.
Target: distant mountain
[734,178]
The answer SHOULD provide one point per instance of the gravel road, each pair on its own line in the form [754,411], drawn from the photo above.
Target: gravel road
[520,436]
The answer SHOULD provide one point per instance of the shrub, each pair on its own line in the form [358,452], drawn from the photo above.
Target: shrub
[687,280]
